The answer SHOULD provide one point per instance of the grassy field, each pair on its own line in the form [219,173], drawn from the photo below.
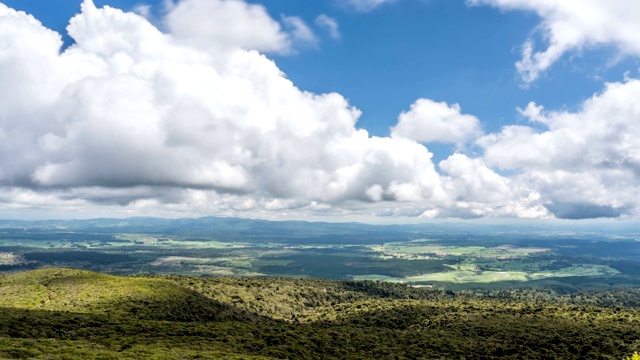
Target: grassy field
[467,274]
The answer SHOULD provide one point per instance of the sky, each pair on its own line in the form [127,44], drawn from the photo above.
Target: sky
[348,110]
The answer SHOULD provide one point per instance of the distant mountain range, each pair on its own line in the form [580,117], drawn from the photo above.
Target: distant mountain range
[204,226]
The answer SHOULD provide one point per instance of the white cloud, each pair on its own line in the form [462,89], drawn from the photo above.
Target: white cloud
[479,191]
[573,25]
[227,23]
[429,121]
[586,163]
[131,120]
[143,10]
[300,32]
[330,24]
[128,116]
[365,5]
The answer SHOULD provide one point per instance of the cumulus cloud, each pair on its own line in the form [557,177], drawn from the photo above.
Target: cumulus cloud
[135,120]
[480,191]
[430,121]
[227,23]
[330,24]
[134,117]
[585,163]
[574,25]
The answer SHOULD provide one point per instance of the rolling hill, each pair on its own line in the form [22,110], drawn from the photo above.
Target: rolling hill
[73,314]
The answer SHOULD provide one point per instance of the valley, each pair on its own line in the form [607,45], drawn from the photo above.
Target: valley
[435,256]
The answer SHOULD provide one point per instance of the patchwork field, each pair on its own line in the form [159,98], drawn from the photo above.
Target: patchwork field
[243,248]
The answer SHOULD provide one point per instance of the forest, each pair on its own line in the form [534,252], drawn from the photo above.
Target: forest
[59,313]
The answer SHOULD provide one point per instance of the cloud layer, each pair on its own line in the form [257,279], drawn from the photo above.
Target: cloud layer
[199,121]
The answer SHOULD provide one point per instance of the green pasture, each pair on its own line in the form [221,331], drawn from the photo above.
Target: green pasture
[468,274]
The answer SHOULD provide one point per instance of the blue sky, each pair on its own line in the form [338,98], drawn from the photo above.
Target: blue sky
[385,59]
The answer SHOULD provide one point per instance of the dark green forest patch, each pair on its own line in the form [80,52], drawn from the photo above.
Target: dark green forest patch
[74,314]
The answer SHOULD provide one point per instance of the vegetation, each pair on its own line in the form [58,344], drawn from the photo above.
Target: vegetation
[487,258]
[76,314]
[448,292]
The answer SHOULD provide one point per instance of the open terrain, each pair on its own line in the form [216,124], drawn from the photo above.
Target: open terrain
[445,256]
[245,289]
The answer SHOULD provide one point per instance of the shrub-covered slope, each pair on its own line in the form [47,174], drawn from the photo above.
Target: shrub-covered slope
[88,292]
[72,314]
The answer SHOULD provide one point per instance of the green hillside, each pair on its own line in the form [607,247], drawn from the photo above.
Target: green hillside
[74,314]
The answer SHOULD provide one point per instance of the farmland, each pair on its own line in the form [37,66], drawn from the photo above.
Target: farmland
[424,256]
